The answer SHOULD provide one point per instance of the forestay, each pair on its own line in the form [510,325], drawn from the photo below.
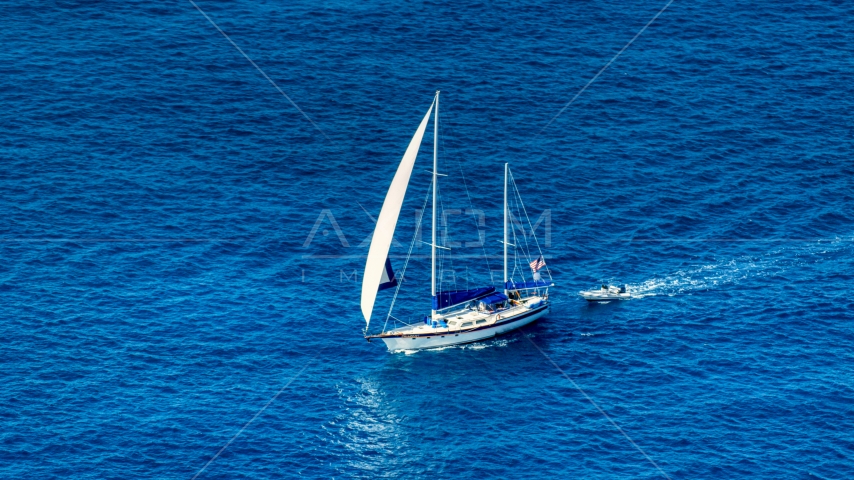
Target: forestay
[387,221]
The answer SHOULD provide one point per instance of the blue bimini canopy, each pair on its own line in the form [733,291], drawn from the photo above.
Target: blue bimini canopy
[528,284]
[455,297]
[494,298]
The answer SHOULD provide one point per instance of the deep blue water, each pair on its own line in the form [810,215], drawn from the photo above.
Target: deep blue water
[159,287]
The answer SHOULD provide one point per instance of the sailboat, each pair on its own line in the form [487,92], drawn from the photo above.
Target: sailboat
[457,316]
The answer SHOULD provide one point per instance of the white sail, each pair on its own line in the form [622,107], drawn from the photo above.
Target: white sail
[387,221]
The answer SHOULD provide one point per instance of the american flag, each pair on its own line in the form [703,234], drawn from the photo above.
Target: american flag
[537,264]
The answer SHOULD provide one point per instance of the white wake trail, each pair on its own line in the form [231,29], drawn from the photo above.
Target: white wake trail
[733,271]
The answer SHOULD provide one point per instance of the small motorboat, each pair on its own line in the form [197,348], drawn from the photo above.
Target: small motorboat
[606,294]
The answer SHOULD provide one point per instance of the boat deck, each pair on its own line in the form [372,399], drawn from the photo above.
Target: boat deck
[463,320]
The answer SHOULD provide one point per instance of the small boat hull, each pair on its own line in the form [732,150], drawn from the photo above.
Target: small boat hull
[595,297]
[446,339]
[606,294]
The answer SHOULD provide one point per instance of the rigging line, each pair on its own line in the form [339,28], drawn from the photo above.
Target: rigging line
[259,70]
[605,67]
[445,242]
[408,255]
[517,197]
[471,204]
[516,201]
[531,227]
[540,250]
[519,266]
[516,245]
[474,219]
[401,321]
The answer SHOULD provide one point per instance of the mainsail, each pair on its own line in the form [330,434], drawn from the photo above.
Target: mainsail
[387,221]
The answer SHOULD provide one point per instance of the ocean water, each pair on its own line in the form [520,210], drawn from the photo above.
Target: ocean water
[161,290]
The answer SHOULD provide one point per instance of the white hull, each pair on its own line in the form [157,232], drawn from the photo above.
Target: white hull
[444,339]
[591,297]
[606,294]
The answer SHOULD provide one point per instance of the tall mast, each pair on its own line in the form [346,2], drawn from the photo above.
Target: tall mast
[435,180]
[506,169]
